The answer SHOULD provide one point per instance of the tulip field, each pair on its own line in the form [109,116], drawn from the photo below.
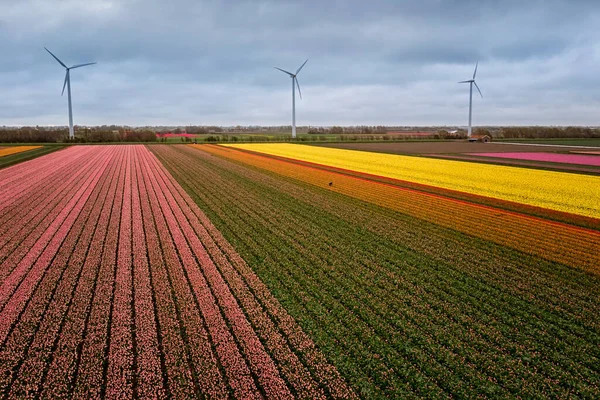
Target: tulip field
[525,233]
[291,271]
[114,284]
[573,193]
[7,151]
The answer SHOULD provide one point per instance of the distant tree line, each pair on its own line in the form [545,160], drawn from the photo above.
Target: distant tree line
[93,135]
[33,135]
[533,132]
[82,135]
[349,130]
[115,133]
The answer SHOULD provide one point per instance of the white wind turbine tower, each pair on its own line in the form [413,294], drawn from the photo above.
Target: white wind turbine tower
[472,82]
[68,85]
[294,84]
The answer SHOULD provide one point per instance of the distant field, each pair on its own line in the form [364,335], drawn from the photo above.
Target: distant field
[595,142]
[572,193]
[7,151]
[16,158]
[437,147]
[465,151]
[578,159]
[515,162]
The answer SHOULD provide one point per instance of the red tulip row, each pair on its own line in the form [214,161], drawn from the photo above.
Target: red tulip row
[118,286]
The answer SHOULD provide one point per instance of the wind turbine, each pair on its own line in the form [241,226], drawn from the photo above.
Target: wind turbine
[472,82]
[294,84]
[68,85]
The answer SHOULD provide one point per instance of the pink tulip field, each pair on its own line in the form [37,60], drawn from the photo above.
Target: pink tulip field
[114,284]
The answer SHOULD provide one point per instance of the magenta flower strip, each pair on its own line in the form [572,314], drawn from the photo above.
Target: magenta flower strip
[577,159]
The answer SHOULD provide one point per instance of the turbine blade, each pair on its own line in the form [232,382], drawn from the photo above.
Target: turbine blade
[65,84]
[298,85]
[56,58]
[464,81]
[302,66]
[475,72]
[478,89]
[283,70]
[82,65]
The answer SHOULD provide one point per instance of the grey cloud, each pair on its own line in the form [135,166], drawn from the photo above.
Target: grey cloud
[208,62]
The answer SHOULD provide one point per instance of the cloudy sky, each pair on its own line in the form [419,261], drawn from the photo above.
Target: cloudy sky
[373,62]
